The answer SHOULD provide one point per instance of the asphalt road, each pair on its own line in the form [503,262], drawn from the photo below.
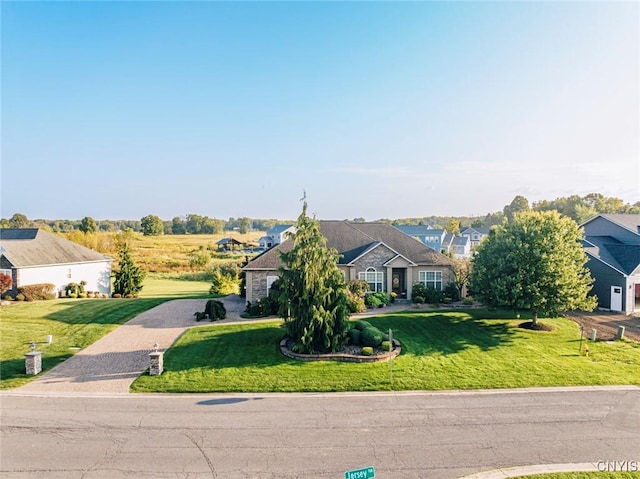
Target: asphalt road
[408,435]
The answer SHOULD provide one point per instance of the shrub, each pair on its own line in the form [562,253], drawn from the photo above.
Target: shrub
[451,291]
[5,282]
[354,337]
[199,316]
[215,310]
[116,295]
[7,297]
[82,295]
[355,303]
[199,259]
[371,336]
[467,301]
[74,288]
[73,295]
[385,346]
[20,297]
[367,351]
[360,325]
[418,299]
[434,296]
[372,301]
[128,296]
[37,292]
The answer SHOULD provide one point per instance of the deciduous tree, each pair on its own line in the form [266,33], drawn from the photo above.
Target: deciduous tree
[151,225]
[88,225]
[313,299]
[536,263]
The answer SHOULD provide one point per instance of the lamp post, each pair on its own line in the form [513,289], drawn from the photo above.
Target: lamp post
[581,334]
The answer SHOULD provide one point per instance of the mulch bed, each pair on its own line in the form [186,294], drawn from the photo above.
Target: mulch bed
[538,326]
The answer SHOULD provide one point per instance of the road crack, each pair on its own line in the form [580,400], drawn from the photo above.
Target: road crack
[204,454]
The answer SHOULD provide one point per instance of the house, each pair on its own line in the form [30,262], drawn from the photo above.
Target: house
[276,235]
[457,246]
[439,240]
[382,255]
[34,256]
[612,244]
[475,234]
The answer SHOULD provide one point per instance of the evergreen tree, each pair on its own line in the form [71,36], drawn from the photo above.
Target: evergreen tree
[129,277]
[313,299]
[534,262]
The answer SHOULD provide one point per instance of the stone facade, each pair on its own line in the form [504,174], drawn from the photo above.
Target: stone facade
[33,363]
[156,363]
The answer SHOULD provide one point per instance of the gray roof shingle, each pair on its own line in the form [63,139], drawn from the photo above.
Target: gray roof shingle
[353,239]
[28,247]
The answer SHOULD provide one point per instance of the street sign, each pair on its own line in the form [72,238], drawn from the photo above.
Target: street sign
[364,473]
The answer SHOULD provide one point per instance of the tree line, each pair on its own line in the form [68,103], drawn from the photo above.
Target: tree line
[578,208]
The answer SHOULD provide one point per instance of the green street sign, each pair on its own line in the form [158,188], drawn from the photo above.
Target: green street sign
[364,473]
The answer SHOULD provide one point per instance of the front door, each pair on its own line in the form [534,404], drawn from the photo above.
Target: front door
[398,282]
[616,298]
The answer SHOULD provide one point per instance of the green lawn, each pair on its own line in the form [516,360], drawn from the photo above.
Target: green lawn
[74,324]
[441,350]
[156,286]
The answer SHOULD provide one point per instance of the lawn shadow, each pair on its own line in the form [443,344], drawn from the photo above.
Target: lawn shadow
[102,310]
[446,332]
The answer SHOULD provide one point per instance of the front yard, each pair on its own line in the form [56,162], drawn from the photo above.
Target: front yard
[441,350]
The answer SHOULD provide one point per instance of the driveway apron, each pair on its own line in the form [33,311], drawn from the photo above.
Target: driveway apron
[112,363]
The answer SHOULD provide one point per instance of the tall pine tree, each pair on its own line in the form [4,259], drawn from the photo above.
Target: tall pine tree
[128,277]
[313,298]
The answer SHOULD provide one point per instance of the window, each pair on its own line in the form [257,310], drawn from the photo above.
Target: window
[6,271]
[374,278]
[270,281]
[69,273]
[431,279]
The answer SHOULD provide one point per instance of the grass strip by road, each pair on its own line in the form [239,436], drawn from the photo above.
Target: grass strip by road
[441,350]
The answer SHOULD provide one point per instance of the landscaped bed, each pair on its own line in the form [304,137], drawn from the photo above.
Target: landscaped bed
[440,350]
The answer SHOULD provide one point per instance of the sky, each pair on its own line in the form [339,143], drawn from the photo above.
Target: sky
[118,110]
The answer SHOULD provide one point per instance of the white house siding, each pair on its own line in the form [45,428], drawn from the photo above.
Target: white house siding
[97,276]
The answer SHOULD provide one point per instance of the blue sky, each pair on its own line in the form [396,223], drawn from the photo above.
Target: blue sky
[117,110]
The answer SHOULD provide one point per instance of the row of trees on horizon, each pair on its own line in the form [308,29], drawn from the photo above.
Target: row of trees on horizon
[578,208]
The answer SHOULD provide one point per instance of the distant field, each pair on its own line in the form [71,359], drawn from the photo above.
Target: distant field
[169,253]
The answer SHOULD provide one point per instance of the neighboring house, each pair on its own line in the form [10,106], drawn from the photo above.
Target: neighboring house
[33,256]
[276,235]
[229,244]
[612,244]
[439,240]
[458,246]
[475,234]
[382,255]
